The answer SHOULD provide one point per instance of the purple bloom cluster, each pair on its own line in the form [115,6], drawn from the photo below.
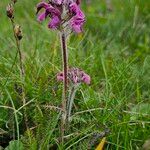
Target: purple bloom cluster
[62,12]
[76,76]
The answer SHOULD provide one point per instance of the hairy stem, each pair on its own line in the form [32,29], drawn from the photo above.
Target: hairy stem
[65,82]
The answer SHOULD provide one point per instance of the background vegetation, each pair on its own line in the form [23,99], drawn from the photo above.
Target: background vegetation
[114,50]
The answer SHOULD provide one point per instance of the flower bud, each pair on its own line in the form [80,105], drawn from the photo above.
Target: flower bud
[10,10]
[18,32]
[14,1]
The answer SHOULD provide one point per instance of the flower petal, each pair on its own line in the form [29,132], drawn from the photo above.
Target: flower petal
[86,78]
[75,9]
[78,19]
[54,23]
[60,76]
[42,5]
[52,11]
[77,23]
[41,17]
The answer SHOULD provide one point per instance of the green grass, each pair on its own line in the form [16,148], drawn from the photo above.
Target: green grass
[114,50]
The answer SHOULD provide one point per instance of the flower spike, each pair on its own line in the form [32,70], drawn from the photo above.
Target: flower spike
[71,17]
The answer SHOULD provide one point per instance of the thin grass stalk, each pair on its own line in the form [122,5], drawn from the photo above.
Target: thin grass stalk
[16,118]
[13,64]
[22,71]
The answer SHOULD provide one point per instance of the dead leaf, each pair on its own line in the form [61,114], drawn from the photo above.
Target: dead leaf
[101,144]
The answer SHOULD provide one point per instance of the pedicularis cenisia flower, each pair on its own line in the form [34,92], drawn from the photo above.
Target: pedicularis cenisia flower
[75,76]
[63,14]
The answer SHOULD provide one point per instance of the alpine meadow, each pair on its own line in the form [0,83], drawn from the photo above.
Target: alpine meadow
[74,75]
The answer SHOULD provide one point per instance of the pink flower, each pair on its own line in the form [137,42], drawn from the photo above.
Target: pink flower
[49,11]
[78,18]
[54,23]
[75,76]
[86,78]
[60,76]
[74,17]
[41,17]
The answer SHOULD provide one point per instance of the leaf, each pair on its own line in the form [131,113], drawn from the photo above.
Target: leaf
[15,145]
[101,144]
[139,110]
[1,148]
